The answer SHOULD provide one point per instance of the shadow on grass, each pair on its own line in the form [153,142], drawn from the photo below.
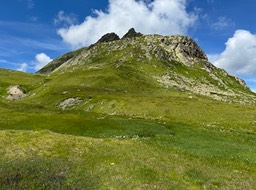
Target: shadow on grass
[90,125]
[42,173]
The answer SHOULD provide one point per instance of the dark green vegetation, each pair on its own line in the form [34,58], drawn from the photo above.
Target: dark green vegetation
[122,128]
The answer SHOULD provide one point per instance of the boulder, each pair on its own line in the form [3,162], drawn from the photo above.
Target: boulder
[15,93]
[69,103]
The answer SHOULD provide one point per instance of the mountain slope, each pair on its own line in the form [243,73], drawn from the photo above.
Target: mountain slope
[26,81]
[150,62]
[140,112]
[141,76]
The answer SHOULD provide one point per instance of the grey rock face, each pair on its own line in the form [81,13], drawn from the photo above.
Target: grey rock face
[191,48]
[174,48]
[185,45]
[241,82]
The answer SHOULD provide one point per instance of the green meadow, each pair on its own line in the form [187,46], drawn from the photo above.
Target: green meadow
[126,131]
[169,141]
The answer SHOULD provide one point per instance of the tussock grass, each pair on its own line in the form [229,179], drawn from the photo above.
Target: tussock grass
[42,159]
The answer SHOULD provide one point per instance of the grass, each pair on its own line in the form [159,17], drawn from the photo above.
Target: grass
[161,140]
[127,133]
[185,159]
[75,150]
[93,125]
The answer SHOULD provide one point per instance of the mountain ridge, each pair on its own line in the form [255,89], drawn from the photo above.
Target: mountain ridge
[184,43]
[186,65]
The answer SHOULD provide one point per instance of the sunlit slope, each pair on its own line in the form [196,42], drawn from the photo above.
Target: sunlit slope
[27,81]
[143,112]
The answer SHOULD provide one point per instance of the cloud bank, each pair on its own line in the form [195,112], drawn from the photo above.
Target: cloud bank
[239,57]
[164,17]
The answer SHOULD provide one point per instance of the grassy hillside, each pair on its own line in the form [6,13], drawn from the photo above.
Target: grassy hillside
[27,81]
[131,122]
[151,142]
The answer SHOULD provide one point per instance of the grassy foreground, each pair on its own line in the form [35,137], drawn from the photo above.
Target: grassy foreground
[70,150]
[126,133]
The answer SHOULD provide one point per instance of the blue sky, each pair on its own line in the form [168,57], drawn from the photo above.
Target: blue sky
[33,32]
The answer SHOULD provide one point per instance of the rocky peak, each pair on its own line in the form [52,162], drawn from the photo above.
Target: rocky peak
[185,45]
[132,33]
[178,48]
[187,66]
[109,37]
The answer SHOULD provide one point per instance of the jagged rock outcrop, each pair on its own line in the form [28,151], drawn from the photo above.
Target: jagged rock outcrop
[109,37]
[241,82]
[188,47]
[132,34]
[179,48]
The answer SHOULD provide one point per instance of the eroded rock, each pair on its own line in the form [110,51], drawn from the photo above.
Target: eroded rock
[241,82]
[15,93]
[69,103]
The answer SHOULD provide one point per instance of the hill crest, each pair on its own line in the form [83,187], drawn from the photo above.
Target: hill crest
[178,48]
[173,62]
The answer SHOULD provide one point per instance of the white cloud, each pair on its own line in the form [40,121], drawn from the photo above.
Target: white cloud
[239,57]
[65,19]
[164,17]
[223,23]
[41,60]
[23,67]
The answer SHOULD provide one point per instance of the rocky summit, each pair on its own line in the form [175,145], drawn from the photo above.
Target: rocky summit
[109,37]
[171,62]
[132,33]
